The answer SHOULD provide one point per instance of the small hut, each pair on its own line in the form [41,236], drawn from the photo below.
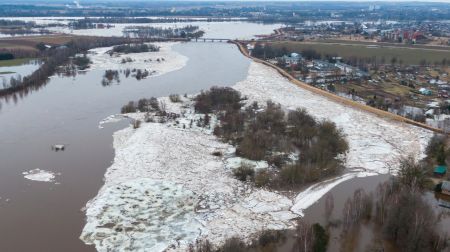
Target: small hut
[445,187]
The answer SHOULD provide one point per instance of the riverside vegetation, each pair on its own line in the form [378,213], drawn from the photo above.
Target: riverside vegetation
[302,149]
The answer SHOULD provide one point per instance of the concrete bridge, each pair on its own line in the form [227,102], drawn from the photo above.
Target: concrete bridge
[211,39]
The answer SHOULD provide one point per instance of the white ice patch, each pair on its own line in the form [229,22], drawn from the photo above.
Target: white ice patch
[39,175]
[146,60]
[375,143]
[236,162]
[311,195]
[141,215]
[110,119]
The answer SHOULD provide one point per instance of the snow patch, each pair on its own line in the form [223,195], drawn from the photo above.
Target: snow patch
[146,60]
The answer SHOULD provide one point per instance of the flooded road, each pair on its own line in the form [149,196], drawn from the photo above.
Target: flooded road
[67,110]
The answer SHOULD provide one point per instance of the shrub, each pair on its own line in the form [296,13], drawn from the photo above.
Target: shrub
[134,48]
[411,223]
[154,104]
[81,62]
[412,174]
[143,105]
[244,172]
[320,238]
[129,108]
[136,124]
[6,56]
[436,148]
[201,246]
[175,98]
[217,153]
[147,105]
[269,237]
[262,178]
[217,98]
[233,245]
[292,174]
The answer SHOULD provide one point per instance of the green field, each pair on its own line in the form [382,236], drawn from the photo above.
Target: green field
[410,56]
[13,62]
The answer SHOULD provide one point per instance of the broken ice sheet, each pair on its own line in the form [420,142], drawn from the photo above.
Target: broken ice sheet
[39,175]
[141,214]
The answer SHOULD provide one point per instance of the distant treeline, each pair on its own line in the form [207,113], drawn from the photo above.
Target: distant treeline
[15,23]
[6,56]
[89,23]
[188,31]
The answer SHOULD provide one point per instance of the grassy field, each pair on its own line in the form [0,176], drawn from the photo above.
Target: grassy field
[30,42]
[386,44]
[412,55]
[13,62]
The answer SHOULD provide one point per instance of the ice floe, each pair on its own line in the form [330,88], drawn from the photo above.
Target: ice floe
[142,213]
[39,175]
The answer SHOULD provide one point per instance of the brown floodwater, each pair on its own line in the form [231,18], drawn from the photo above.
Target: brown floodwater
[39,216]
[363,236]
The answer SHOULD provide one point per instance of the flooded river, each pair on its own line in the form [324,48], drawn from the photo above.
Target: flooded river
[37,216]
[67,110]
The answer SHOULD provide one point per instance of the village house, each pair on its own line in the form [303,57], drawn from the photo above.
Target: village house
[445,187]
[292,59]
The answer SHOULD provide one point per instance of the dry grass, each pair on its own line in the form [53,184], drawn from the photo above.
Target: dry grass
[408,55]
[30,42]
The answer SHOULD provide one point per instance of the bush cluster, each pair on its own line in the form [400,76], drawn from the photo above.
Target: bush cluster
[217,99]
[244,172]
[82,62]
[175,98]
[143,105]
[134,48]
